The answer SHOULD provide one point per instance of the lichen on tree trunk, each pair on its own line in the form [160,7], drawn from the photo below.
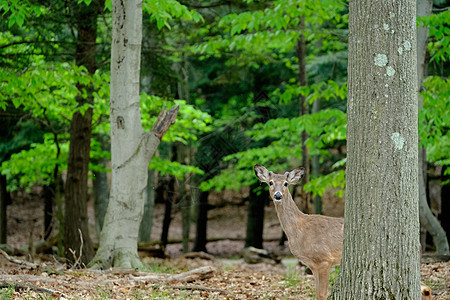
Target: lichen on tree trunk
[381,258]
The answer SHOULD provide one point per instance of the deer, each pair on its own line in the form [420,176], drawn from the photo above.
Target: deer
[315,240]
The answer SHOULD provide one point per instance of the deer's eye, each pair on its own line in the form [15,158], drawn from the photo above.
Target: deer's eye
[285,183]
[270,182]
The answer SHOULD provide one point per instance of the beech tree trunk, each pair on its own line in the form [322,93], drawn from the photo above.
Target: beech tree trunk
[131,147]
[381,250]
[427,219]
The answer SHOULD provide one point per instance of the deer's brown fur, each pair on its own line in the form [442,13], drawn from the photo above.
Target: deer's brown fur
[316,240]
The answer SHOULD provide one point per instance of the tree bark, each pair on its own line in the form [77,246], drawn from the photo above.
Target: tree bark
[131,147]
[445,206]
[315,165]
[202,222]
[4,201]
[76,190]
[427,219]
[145,229]
[255,218]
[302,81]
[101,196]
[381,251]
[170,199]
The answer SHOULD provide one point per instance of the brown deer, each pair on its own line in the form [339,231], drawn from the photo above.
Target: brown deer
[315,240]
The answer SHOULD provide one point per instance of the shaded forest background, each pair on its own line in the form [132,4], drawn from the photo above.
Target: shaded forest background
[256,81]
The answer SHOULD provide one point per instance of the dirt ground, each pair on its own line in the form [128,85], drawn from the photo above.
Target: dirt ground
[229,277]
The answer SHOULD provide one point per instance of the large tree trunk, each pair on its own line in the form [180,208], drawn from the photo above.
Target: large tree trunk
[381,257]
[427,219]
[131,147]
[76,233]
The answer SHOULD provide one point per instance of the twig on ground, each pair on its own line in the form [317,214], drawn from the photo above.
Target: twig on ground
[77,262]
[18,261]
[189,276]
[23,286]
[198,288]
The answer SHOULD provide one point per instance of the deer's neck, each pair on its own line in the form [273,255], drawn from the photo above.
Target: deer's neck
[291,218]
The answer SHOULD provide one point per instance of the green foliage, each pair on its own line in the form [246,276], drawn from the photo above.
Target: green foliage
[319,185]
[173,168]
[190,123]
[324,128]
[164,11]
[35,165]
[18,11]
[439,33]
[434,121]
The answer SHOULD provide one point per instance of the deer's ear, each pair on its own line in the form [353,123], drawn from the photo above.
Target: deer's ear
[295,175]
[262,173]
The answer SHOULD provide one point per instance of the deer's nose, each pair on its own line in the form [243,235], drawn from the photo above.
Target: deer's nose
[278,196]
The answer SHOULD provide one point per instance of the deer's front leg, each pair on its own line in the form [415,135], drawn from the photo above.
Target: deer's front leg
[322,277]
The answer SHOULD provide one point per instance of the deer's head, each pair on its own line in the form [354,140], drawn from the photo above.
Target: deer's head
[278,183]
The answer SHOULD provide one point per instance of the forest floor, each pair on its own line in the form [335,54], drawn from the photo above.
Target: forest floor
[222,274]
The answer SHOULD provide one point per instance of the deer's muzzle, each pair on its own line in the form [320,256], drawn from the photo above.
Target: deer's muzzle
[278,196]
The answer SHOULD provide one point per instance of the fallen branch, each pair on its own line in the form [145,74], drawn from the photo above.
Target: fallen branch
[198,288]
[189,276]
[18,261]
[27,277]
[23,286]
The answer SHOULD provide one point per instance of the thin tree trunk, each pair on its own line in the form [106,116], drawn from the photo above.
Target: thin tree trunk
[185,200]
[4,201]
[48,193]
[145,229]
[202,221]
[101,195]
[381,251]
[302,81]
[170,198]
[255,218]
[445,205]
[315,165]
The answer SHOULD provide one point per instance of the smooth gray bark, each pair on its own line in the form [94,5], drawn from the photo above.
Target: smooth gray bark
[131,147]
[381,251]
